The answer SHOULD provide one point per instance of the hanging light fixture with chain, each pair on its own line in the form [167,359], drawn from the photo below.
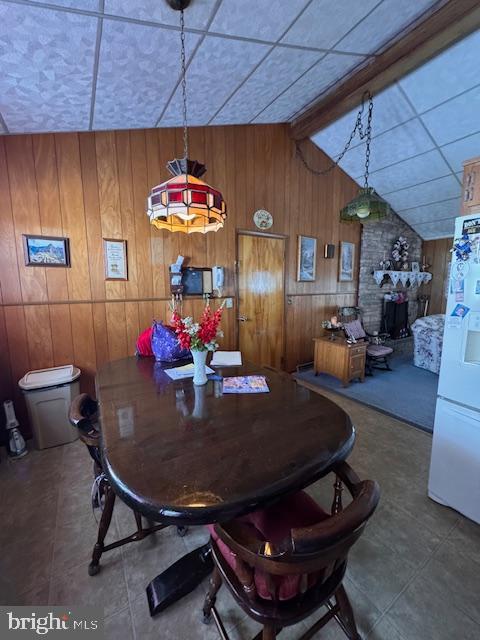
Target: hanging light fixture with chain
[367,205]
[185,203]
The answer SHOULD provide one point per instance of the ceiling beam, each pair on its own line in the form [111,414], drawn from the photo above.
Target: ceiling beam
[442,25]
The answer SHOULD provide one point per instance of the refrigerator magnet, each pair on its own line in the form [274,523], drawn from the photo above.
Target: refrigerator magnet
[457,287]
[460,311]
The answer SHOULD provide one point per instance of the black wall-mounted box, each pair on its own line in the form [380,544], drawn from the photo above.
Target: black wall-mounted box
[197,281]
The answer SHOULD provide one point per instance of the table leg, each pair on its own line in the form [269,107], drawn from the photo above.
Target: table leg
[179,579]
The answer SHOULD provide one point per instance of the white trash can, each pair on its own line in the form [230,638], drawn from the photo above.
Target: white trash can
[48,394]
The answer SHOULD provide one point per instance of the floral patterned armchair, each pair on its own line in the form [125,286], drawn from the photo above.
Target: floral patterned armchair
[428,342]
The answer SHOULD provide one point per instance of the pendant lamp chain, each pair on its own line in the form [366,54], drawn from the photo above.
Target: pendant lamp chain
[185,203]
[368,135]
[363,134]
[184,83]
[367,204]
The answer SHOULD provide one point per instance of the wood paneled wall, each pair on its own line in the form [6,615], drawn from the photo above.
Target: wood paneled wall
[438,256]
[91,185]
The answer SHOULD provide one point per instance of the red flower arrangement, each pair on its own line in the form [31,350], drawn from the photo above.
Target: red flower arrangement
[199,336]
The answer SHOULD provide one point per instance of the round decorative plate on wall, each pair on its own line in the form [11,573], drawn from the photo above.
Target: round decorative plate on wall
[263,219]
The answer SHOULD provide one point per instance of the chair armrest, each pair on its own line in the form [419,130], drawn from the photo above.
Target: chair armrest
[349,478]
[83,408]
[86,427]
[349,522]
[379,337]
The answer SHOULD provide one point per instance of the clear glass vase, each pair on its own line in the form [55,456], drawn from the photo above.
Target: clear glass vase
[199,367]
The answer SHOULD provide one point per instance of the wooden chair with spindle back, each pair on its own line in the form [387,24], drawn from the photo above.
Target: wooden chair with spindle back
[280,571]
[83,415]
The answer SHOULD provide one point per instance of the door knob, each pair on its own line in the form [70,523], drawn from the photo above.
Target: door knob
[242,318]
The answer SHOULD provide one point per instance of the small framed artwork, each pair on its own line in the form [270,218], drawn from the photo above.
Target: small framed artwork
[46,251]
[115,257]
[347,261]
[306,259]
[415,267]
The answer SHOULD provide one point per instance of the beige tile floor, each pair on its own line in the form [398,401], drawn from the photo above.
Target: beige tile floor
[415,575]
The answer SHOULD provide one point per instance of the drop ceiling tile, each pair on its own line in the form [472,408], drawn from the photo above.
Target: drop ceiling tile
[433,191]
[457,152]
[276,73]
[218,67]
[433,230]
[196,16]
[382,24]
[89,5]
[132,87]
[432,212]
[409,172]
[389,109]
[448,74]
[47,62]
[329,69]
[455,119]
[407,140]
[325,22]
[256,18]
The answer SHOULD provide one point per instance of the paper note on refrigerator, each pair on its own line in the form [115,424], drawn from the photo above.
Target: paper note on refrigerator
[454,323]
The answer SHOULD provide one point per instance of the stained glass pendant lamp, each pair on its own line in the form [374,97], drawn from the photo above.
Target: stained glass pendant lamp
[367,205]
[185,203]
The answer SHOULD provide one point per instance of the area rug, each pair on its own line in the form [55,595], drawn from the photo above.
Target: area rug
[407,393]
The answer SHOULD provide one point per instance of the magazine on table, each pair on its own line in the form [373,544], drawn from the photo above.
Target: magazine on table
[245,384]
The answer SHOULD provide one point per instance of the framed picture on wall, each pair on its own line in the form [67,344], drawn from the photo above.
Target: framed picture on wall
[306,259]
[115,257]
[46,251]
[347,261]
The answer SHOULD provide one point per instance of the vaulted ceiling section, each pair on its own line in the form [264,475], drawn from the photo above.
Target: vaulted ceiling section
[75,65]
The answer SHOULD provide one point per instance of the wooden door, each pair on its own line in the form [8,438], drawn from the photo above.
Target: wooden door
[261,264]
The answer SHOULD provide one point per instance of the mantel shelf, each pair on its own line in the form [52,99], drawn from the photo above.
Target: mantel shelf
[413,278]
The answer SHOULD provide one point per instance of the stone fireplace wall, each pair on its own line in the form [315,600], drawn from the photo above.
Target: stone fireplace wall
[378,237]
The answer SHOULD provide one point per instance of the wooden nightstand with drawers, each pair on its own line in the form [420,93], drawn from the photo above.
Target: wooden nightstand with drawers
[340,359]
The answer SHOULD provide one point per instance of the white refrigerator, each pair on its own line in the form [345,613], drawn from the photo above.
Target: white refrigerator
[455,462]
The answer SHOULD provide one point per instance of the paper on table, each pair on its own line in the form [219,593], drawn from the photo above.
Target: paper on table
[186,371]
[226,359]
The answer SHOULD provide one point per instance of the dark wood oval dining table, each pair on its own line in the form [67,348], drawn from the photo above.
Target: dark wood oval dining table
[187,455]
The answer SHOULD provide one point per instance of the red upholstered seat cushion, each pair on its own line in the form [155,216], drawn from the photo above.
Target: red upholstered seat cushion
[378,350]
[273,524]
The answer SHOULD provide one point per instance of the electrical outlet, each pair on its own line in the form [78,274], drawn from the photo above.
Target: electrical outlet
[229,303]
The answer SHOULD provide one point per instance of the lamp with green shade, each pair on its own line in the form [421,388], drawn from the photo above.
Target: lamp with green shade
[367,205]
